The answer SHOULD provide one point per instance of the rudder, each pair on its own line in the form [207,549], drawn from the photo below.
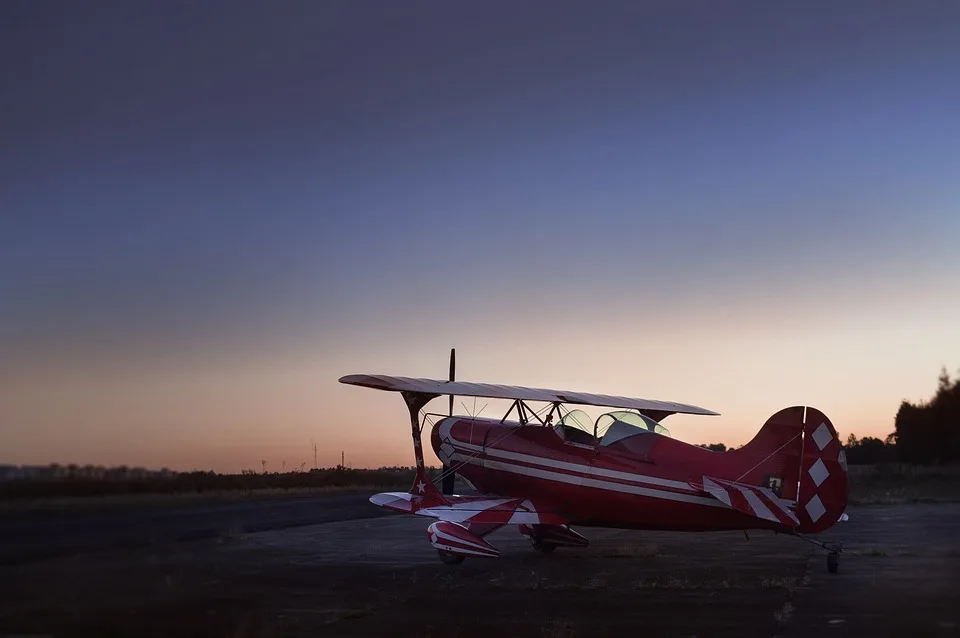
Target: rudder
[823,487]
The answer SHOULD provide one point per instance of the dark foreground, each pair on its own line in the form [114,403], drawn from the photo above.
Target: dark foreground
[30,535]
[379,577]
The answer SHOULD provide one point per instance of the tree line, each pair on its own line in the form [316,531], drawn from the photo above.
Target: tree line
[50,486]
[925,433]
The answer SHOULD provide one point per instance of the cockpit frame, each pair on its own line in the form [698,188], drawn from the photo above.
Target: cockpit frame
[527,416]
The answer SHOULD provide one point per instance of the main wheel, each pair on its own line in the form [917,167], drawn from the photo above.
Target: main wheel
[542,546]
[448,558]
[833,562]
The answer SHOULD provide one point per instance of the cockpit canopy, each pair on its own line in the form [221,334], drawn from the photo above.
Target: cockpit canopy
[576,426]
[614,426]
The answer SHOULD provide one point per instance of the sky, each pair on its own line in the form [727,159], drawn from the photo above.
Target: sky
[209,212]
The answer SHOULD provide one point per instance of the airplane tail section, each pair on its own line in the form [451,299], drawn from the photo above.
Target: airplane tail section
[797,455]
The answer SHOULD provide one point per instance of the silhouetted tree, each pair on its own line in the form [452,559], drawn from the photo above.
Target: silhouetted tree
[928,432]
[715,447]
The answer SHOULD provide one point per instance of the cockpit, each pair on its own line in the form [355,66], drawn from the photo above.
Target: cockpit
[577,427]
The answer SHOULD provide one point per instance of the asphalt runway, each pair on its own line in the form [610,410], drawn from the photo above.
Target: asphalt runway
[379,576]
[27,536]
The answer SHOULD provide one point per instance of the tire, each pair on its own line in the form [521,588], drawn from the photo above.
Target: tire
[833,562]
[448,558]
[543,547]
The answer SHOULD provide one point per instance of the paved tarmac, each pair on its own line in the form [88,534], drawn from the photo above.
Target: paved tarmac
[294,567]
[26,536]
[899,574]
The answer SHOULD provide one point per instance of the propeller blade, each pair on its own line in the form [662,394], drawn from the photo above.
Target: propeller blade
[448,476]
[453,373]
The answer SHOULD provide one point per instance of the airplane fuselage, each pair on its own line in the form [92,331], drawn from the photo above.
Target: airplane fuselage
[643,482]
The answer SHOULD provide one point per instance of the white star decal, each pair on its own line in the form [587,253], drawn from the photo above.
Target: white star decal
[421,486]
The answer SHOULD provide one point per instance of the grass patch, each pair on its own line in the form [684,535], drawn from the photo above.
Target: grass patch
[784,614]
[896,483]
[134,501]
[558,628]
[648,550]
[678,581]
[778,582]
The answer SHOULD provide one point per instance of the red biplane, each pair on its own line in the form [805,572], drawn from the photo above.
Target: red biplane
[621,470]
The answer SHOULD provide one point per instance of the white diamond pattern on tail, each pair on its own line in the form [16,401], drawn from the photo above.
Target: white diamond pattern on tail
[815,508]
[822,436]
[819,472]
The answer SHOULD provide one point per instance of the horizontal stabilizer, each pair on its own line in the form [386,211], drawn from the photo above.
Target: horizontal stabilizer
[752,500]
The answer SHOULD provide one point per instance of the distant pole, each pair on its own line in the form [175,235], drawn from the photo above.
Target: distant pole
[342,463]
[312,443]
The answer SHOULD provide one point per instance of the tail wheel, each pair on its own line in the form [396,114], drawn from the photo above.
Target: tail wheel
[543,546]
[448,558]
[833,562]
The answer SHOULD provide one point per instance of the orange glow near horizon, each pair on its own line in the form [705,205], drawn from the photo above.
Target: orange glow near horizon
[228,410]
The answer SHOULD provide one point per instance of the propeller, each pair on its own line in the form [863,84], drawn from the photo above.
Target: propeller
[449,477]
[453,373]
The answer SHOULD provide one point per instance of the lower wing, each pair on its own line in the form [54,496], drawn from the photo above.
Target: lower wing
[470,510]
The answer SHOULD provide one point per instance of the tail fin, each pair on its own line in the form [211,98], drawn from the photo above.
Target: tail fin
[798,455]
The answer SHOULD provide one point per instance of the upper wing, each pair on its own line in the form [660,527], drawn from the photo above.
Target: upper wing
[493,391]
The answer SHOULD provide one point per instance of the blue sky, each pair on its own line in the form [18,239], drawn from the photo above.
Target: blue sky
[259,198]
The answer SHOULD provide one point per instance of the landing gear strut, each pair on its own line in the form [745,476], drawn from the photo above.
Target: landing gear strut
[833,553]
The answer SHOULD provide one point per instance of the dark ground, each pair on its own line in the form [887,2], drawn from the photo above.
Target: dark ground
[28,535]
[899,576]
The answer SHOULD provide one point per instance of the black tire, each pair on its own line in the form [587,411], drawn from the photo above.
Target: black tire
[543,547]
[833,562]
[448,558]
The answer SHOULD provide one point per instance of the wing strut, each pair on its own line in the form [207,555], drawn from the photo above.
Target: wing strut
[423,487]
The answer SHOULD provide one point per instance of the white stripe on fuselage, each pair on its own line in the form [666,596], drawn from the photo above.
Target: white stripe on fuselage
[584,481]
[447,424]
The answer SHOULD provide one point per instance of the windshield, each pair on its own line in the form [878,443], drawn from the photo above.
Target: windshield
[578,419]
[576,426]
[614,426]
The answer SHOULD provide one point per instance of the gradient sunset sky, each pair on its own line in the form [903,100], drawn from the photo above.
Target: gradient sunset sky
[210,211]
